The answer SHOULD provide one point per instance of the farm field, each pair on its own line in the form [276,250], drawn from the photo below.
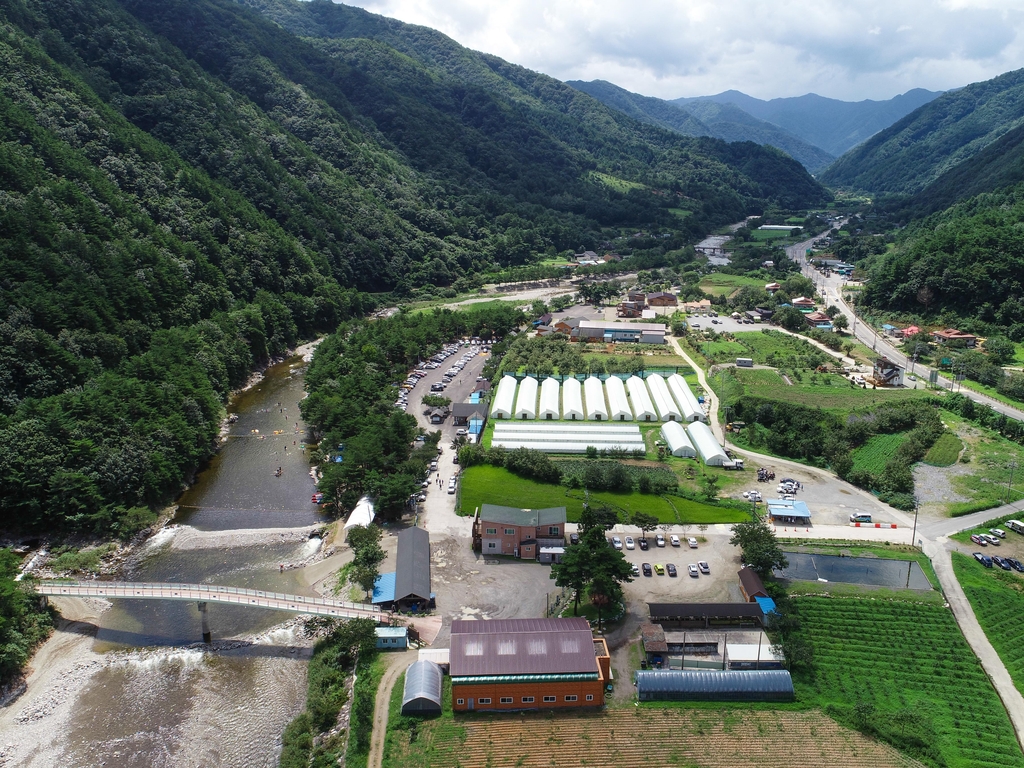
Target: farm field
[734,737]
[945,451]
[496,485]
[876,452]
[718,284]
[997,598]
[903,671]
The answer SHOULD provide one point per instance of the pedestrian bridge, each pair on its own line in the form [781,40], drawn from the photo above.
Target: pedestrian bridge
[208,593]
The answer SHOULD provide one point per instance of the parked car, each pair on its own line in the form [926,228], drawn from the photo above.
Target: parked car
[616,542]
[692,568]
[644,544]
[860,518]
[983,559]
[659,569]
[1001,562]
[461,432]
[993,540]
[692,542]
[659,540]
[630,544]
[647,569]
[1016,564]
[574,538]
[704,567]
[976,538]
[636,569]
[674,540]
[997,532]
[671,570]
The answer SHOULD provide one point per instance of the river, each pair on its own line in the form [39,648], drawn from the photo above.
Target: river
[175,705]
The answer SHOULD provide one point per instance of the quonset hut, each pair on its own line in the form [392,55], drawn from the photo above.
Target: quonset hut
[663,401]
[672,685]
[504,398]
[618,405]
[548,399]
[643,408]
[572,400]
[422,694]
[689,408]
[526,401]
[596,408]
[704,440]
[678,443]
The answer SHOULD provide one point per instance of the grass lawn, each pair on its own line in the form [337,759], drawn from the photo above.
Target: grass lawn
[769,234]
[876,452]
[997,598]
[987,457]
[718,284]
[945,451]
[908,669]
[485,484]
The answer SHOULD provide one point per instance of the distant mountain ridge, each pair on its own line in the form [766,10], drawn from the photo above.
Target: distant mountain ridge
[830,124]
[705,118]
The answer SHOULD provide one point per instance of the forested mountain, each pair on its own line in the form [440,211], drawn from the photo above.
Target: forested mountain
[705,118]
[189,188]
[830,124]
[916,151]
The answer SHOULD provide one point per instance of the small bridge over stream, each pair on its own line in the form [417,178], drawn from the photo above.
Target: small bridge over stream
[201,594]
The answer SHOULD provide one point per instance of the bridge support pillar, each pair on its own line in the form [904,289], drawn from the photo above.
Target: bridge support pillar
[207,636]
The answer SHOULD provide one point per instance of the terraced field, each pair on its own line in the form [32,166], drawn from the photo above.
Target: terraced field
[654,736]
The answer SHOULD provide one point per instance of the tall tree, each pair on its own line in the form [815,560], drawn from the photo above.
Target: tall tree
[760,549]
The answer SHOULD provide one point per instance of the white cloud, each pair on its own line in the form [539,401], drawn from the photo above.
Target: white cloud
[669,48]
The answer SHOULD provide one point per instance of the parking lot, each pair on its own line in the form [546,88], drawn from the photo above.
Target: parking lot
[722,323]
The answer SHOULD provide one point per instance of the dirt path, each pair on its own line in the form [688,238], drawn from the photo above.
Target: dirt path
[397,664]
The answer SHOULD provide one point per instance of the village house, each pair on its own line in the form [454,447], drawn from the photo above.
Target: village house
[516,532]
[802,302]
[662,299]
[773,287]
[953,335]
[819,320]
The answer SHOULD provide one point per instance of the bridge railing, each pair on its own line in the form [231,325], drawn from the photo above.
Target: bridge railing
[165,589]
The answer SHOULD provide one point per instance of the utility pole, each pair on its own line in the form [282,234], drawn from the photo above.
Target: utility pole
[913,536]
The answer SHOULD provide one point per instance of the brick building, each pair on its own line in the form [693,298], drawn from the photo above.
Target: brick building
[517,532]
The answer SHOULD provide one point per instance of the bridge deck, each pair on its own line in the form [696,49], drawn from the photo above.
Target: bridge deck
[316,606]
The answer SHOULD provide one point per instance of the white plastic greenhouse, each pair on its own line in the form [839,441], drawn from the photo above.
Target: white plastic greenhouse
[594,392]
[572,400]
[643,408]
[706,443]
[566,438]
[688,405]
[548,399]
[663,401]
[504,397]
[618,405]
[526,400]
[363,514]
[678,443]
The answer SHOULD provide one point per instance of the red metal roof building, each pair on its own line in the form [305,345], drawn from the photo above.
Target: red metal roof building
[512,664]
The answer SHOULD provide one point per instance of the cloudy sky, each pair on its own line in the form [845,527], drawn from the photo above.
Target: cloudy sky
[845,49]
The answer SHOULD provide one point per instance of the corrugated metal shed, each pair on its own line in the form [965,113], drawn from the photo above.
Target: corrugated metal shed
[572,400]
[504,398]
[412,574]
[561,651]
[423,684]
[526,400]
[707,685]
[678,443]
[548,399]
[596,408]
[704,440]
[643,408]
[384,588]
[667,409]
[510,626]
[618,405]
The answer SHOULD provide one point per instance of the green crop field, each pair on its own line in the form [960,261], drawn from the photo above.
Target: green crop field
[718,284]
[903,671]
[945,451]
[876,452]
[769,234]
[495,485]
[997,598]
[759,377]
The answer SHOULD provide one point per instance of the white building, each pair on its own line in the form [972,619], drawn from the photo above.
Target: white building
[678,443]
[526,400]
[594,394]
[548,399]
[618,405]
[643,408]
[667,409]
[704,440]
[504,397]
[572,400]
[689,408]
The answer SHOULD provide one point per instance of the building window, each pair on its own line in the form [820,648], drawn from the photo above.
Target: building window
[527,699]
[510,531]
[550,699]
[483,701]
[460,702]
[590,697]
[491,545]
[492,531]
[553,530]
[570,698]
[505,700]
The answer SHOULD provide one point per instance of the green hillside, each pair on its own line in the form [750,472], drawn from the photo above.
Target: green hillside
[933,139]
[189,188]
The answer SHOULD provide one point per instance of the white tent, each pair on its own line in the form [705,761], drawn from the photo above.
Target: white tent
[643,408]
[572,400]
[362,514]
[596,408]
[548,399]
[688,405]
[678,443]
[706,444]
[562,437]
[504,397]
[526,400]
[618,405]
[662,399]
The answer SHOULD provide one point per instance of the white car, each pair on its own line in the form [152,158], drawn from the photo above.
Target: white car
[616,542]
[674,540]
[998,532]
[692,542]
[692,568]
[630,544]
[659,540]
